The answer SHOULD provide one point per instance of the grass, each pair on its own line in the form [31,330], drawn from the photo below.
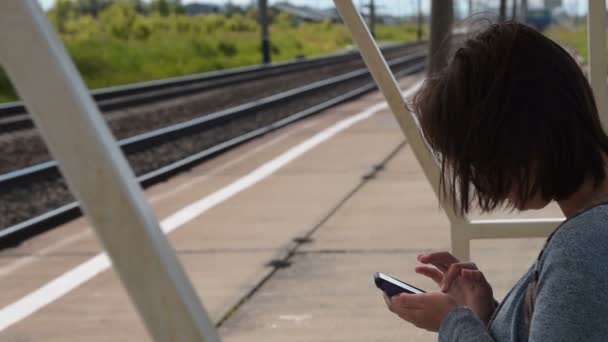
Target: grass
[575,38]
[7,93]
[123,47]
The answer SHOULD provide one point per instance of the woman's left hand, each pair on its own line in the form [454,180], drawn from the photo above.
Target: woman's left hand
[462,280]
[425,310]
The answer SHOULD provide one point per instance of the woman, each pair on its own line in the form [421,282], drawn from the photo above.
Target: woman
[514,122]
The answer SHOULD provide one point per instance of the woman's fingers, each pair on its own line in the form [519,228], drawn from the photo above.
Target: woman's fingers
[431,272]
[454,272]
[408,301]
[441,260]
[425,310]
[404,305]
[388,302]
[473,275]
[403,301]
[408,306]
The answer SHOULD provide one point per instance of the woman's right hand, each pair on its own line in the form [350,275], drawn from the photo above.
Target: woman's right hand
[462,280]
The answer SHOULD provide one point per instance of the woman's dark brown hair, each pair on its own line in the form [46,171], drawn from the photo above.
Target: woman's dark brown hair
[511,111]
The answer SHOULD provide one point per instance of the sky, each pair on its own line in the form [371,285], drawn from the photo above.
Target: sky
[395,7]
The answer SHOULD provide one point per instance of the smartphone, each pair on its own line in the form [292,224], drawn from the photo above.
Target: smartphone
[392,286]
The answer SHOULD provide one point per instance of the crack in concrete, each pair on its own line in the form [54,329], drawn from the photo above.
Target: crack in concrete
[363,251]
[178,251]
[303,239]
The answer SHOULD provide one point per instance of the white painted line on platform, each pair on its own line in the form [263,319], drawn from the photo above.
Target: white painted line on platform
[199,179]
[519,220]
[77,276]
[24,261]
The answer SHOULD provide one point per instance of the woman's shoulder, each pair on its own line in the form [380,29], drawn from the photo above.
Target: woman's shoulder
[581,239]
[592,221]
[570,303]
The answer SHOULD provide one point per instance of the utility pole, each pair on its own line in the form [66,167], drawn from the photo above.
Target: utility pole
[94,8]
[419,30]
[263,9]
[502,15]
[372,18]
[470,8]
[442,17]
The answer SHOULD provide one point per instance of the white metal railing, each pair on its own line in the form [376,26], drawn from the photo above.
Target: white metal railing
[462,229]
[74,130]
[596,41]
[98,175]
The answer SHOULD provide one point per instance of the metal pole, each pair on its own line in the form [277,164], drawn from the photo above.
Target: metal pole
[442,16]
[524,11]
[263,9]
[502,15]
[98,175]
[514,11]
[419,30]
[461,230]
[470,8]
[390,89]
[372,18]
[597,56]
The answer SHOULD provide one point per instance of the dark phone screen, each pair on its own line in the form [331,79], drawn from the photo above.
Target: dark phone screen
[392,286]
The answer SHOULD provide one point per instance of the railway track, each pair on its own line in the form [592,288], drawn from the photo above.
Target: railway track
[14,117]
[36,198]
[25,147]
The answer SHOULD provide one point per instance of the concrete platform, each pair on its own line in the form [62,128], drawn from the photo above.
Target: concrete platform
[327,294]
[360,226]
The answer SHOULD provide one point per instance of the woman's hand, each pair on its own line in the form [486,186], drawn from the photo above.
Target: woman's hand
[462,280]
[461,283]
[425,310]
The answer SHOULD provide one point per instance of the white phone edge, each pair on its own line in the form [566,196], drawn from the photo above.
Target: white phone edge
[399,283]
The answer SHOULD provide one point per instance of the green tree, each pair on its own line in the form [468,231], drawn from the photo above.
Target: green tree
[166,7]
[92,7]
[284,20]
[239,23]
[119,19]
[61,13]
[142,28]
[231,9]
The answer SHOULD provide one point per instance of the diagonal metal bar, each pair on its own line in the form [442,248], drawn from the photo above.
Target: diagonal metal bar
[390,89]
[596,40]
[462,230]
[99,176]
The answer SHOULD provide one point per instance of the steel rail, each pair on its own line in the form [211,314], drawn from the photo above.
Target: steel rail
[14,117]
[14,234]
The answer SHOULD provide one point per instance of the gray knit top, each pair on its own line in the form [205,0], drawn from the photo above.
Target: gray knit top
[571,294]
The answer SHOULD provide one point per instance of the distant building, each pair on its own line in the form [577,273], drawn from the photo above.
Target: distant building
[200,8]
[553,4]
[305,13]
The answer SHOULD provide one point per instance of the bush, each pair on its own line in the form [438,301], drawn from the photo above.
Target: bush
[122,45]
[574,38]
[118,20]
[228,49]
[142,28]
[7,92]
[238,23]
